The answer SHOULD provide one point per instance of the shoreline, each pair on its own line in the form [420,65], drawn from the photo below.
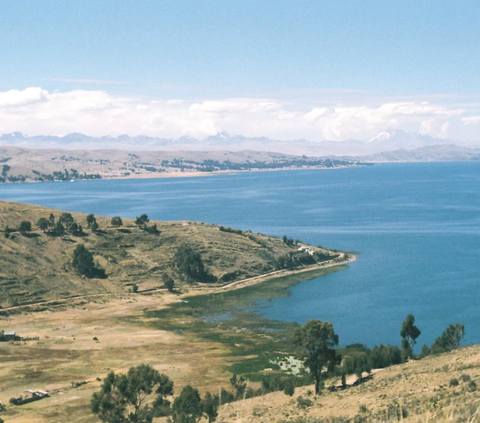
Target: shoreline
[193,174]
[192,291]
[255,280]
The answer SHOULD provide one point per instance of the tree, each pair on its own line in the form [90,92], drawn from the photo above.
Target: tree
[43,224]
[142,220]
[136,397]
[168,282]
[189,262]
[25,227]
[210,406]
[117,221]
[94,226]
[51,220]
[76,229]
[90,220]
[59,230]
[317,340]
[449,340]
[67,220]
[409,333]
[83,262]
[187,406]
[5,170]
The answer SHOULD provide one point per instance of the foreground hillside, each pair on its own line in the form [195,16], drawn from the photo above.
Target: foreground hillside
[69,352]
[37,265]
[435,389]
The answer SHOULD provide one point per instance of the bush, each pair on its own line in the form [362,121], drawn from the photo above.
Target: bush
[453,382]
[303,403]
[289,387]
[472,386]
[168,282]
[116,221]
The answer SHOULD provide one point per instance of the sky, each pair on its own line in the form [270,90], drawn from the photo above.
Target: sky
[319,69]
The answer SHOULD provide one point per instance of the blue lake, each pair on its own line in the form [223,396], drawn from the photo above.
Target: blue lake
[416,226]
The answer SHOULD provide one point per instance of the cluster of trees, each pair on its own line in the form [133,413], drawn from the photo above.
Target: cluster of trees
[289,241]
[294,259]
[317,341]
[142,221]
[66,223]
[448,341]
[141,395]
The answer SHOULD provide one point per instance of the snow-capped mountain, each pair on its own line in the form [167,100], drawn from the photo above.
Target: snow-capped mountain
[386,141]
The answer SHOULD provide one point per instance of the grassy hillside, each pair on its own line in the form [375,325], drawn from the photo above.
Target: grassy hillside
[38,266]
[435,389]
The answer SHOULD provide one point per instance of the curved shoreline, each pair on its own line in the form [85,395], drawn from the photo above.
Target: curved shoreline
[232,286]
[199,290]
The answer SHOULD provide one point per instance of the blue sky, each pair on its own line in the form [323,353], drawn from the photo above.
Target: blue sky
[327,61]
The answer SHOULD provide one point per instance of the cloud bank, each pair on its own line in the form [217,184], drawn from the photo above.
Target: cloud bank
[36,111]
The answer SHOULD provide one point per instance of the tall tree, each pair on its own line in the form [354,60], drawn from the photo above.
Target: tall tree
[409,334]
[409,331]
[317,340]
[136,397]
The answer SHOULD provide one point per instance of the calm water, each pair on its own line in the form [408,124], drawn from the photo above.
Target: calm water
[417,227]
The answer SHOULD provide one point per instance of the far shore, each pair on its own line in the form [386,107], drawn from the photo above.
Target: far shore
[186,174]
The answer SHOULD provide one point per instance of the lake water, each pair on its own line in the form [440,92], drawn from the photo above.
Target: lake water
[416,226]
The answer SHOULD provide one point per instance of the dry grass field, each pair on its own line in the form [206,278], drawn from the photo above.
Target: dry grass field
[66,352]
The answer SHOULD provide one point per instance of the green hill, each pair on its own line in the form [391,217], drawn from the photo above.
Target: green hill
[37,265]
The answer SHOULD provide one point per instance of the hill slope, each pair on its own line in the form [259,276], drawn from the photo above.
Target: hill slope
[38,266]
[435,389]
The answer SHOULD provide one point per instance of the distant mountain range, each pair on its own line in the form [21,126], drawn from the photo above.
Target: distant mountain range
[395,145]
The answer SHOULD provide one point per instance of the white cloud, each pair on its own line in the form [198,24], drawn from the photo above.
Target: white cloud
[471,120]
[36,111]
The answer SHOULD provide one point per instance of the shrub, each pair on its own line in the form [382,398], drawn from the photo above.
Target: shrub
[453,382]
[472,386]
[303,403]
